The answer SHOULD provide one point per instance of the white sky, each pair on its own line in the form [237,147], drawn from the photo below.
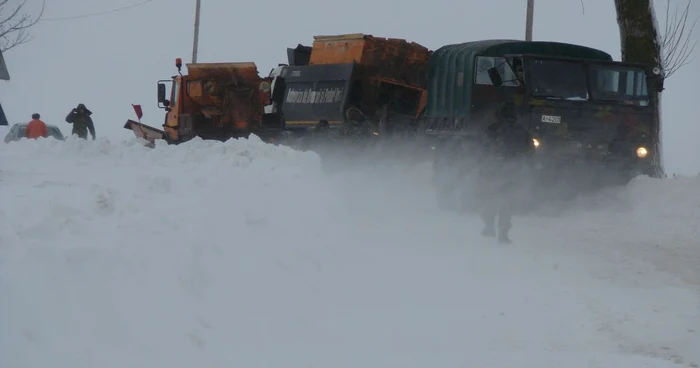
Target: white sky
[109,62]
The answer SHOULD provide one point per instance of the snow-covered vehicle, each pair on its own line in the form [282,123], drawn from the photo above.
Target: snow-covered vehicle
[17,132]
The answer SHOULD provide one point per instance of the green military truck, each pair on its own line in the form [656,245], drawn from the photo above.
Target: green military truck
[591,118]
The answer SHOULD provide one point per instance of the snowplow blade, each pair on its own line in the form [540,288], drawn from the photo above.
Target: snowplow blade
[144,131]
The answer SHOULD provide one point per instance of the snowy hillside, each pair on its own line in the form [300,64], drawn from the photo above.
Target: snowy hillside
[242,254]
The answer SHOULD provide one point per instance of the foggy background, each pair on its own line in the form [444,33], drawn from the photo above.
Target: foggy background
[112,60]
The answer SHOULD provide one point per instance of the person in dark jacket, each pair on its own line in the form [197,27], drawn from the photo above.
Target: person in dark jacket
[82,122]
[506,152]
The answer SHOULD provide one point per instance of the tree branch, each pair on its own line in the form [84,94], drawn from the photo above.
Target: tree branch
[14,24]
[676,43]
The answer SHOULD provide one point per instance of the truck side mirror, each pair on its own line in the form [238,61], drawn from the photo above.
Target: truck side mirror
[657,78]
[278,90]
[495,77]
[660,84]
[161,92]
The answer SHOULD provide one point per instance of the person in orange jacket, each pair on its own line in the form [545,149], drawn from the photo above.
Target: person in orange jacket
[36,128]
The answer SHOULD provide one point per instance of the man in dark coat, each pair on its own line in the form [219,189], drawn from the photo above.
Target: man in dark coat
[82,122]
[506,152]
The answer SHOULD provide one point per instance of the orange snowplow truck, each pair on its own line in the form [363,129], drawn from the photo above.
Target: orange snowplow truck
[216,101]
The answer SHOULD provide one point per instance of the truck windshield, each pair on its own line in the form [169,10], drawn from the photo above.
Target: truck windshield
[620,84]
[558,79]
[175,91]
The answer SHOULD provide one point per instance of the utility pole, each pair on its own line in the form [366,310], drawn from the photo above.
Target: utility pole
[528,21]
[196,32]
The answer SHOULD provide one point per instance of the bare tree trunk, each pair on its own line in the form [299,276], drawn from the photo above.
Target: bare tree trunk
[641,43]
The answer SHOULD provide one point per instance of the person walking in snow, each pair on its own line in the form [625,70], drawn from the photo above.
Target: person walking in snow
[82,122]
[507,147]
[36,128]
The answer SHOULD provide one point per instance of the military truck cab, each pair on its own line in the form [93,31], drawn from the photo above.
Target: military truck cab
[586,113]
[591,112]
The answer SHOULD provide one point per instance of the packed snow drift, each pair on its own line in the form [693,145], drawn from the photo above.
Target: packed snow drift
[243,254]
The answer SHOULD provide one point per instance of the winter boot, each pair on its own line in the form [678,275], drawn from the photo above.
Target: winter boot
[503,237]
[489,219]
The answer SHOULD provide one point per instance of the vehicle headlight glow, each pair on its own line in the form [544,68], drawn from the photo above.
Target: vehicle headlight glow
[535,142]
[642,152]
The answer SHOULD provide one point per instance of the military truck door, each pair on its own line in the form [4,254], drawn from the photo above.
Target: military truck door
[486,97]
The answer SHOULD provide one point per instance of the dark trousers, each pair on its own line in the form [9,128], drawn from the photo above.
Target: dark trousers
[80,133]
[497,208]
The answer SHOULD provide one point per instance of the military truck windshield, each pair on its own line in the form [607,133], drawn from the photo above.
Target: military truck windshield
[558,79]
[619,84]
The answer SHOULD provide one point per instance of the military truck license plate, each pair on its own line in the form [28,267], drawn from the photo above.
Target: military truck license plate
[552,119]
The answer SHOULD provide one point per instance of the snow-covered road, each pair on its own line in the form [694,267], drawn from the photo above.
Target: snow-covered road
[242,254]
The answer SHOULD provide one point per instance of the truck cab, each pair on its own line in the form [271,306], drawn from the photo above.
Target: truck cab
[277,84]
[215,101]
[585,112]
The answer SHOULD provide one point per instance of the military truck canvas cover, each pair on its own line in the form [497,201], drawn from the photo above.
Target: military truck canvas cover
[451,71]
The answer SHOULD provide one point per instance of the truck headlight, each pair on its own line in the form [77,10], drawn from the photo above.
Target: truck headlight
[535,142]
[642,152]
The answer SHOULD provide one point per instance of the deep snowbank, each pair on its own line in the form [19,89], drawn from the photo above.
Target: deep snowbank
[246,254]
[653,220]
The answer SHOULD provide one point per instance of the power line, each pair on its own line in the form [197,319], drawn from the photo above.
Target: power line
[99,13]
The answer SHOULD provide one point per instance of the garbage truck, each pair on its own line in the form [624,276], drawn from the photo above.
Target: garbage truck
[372,84]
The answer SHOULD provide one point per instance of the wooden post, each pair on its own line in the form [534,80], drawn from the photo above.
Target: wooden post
[528,20]
[195,44]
